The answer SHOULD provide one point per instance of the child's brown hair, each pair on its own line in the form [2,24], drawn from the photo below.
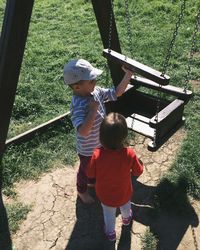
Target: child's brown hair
[113,131]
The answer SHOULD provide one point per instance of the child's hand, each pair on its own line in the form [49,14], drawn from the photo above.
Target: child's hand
[128,72]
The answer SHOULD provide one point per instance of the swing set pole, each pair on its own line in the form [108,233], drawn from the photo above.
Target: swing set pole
[13,39]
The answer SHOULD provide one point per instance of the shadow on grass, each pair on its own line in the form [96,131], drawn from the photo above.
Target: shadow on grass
[5,238]
[166,210]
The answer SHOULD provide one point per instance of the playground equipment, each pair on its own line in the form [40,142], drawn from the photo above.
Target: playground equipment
[152,116]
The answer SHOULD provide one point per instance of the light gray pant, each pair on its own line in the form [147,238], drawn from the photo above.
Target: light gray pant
[109,214]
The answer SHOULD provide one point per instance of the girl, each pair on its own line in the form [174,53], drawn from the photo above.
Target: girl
[112,166]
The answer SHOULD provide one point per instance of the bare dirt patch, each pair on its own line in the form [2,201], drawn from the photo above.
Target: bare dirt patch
[195,84]
[59,221]
[197,54]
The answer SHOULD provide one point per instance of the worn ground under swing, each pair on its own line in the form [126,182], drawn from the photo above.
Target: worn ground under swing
[59,221]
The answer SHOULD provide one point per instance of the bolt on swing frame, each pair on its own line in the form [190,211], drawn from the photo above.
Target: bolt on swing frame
[157,123]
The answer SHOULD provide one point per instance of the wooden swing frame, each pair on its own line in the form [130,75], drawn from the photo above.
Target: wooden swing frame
[139,108]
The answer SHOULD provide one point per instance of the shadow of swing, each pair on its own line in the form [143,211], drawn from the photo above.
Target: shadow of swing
[165,209]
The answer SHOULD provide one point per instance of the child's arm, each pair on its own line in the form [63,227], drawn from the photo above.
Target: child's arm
[124,82]
[85,128]
[138,167]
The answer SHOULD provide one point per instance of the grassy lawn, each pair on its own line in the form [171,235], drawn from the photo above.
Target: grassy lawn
[61,30]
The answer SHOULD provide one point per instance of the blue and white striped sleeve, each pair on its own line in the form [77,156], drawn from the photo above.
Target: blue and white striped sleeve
[77,115]
[109,94]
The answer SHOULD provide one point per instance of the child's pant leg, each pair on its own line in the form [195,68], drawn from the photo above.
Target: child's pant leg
[109,214]
[125,210]
[81,175]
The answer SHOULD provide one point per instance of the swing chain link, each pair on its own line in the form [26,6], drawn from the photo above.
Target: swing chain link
[109,39]
[156,116]
[175,33]
[192,51]
[166,63]
[128,23]
[110,26]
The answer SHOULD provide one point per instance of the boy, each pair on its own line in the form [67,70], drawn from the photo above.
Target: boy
[87,112]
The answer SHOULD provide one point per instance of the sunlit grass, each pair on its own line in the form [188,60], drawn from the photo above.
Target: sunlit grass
[17,212]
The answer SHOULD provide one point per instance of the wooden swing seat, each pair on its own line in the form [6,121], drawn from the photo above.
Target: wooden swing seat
[182,94]
[140,109]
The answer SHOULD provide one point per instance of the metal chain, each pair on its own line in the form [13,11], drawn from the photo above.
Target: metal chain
[156,116]
[128,23]
[129,34]
[192,51]
[166,63]
[109,39]
[110,26]
[194,238]
[169,51]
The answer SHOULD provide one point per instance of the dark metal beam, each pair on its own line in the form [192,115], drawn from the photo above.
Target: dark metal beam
[12,43]
[103,11]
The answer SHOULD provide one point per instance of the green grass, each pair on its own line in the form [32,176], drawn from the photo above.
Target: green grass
[17,212]
[149,241]
[61,30]
[30,159]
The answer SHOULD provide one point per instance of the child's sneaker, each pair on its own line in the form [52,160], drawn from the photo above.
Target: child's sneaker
[126,221]
[111,236]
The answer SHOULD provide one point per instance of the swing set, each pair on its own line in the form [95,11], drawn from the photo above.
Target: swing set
[152,116]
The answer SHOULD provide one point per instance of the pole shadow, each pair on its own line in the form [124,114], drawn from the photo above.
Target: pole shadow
[5,238]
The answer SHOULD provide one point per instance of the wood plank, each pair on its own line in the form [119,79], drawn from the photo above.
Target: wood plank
[155,146]
[140,127]
[140,118]
[174,107]
[168,89]
[30,133]
[137,67]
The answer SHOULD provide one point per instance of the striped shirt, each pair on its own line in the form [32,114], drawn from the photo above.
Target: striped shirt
[85,145]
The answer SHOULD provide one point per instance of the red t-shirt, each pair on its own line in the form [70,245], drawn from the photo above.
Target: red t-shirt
[112,170]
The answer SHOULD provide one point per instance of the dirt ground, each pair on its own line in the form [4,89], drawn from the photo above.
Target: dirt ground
[59,221]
